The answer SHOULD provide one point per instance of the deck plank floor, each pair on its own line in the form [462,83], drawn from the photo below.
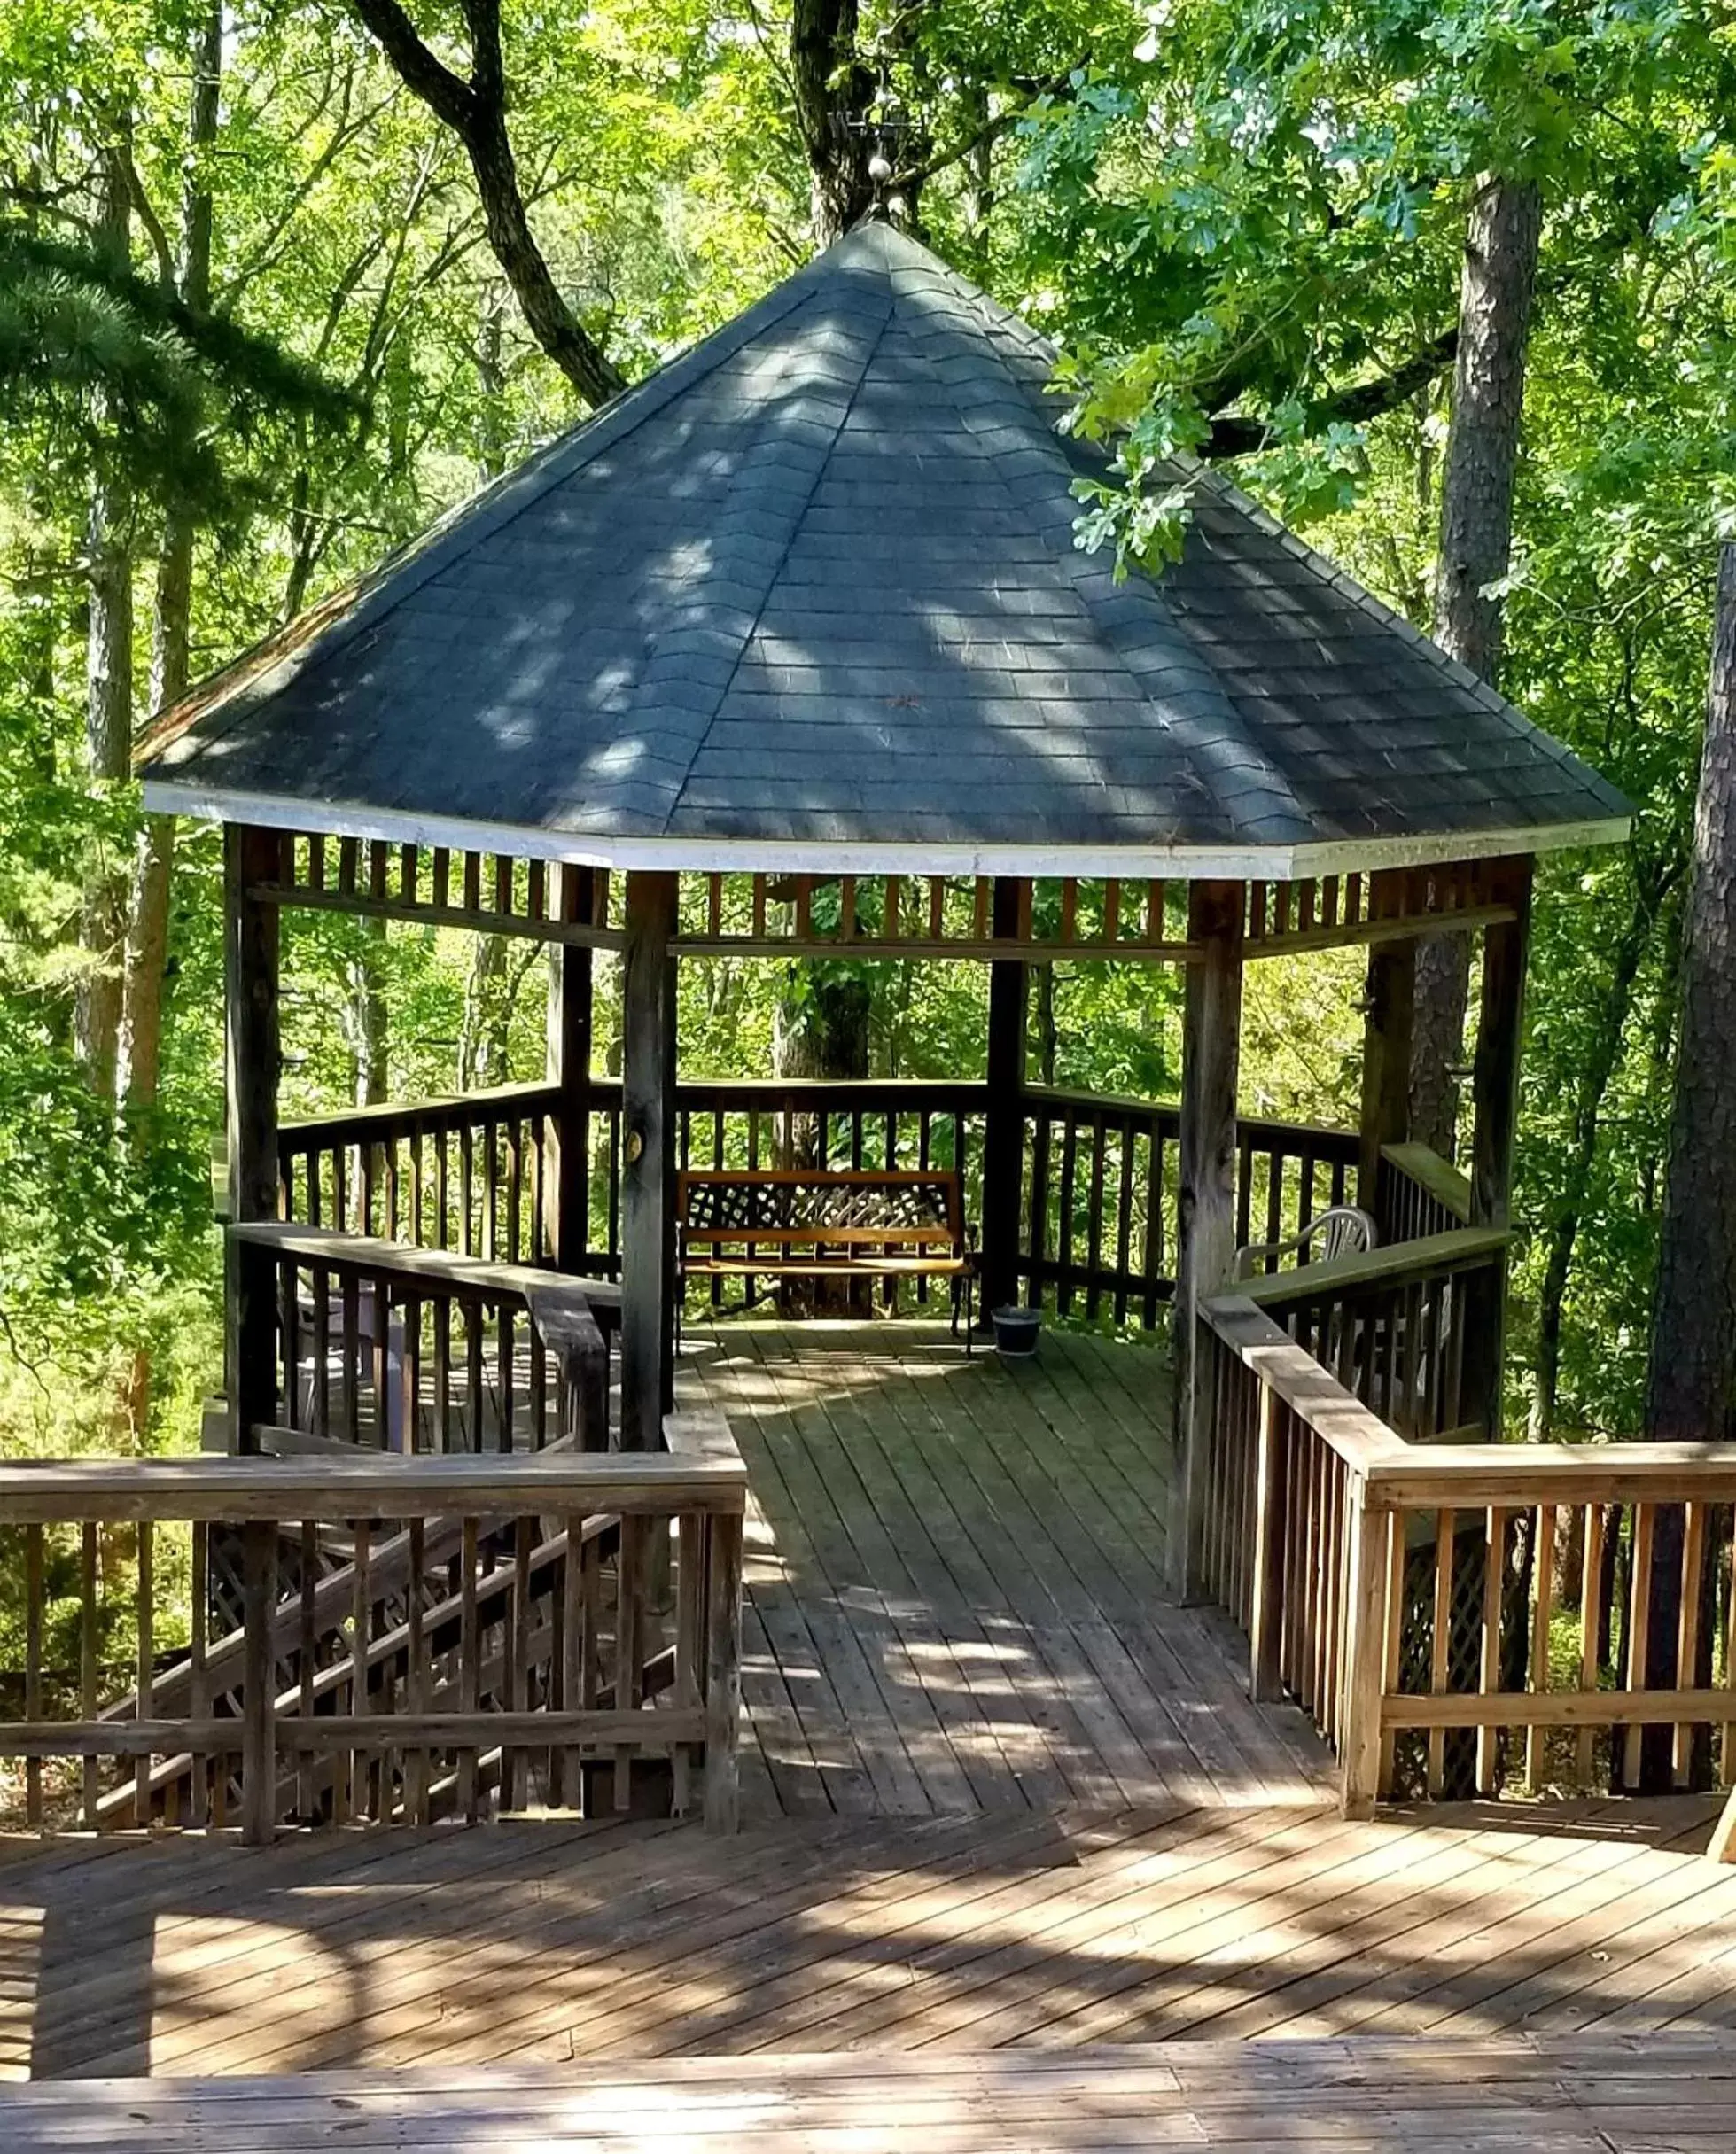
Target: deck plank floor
[1526,2097]
[1003,1801]
[955,1578]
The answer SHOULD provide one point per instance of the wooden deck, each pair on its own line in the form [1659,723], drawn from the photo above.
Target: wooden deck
[1610,2095]
[956,1585]
[1002,1797]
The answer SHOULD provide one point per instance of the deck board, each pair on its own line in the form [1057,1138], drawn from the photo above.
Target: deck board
[1003,1801]
[1610,2097]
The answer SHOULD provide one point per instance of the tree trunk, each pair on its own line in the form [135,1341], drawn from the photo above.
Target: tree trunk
[476,113]
[1476,546]
[831,89]
[1563,1233]
[1692,1385]
[365,1018]
[108,690]
[171,641]
[1047,1037]
[820,1029]
[480,1032]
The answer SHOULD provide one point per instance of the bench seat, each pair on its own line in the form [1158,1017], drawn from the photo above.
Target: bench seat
[779,1223]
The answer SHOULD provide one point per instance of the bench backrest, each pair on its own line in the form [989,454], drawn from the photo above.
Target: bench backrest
[918,1206]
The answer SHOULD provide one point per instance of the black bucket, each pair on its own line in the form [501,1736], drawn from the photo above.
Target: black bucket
[1016,1331]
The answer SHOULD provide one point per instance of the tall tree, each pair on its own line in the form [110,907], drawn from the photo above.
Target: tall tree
[189,281]
[830,87]
[108,569]
[474,110]
[1495,289]
[1691,1393]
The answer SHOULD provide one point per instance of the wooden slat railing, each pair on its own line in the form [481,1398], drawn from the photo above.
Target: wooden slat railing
[482,1643]
[465,1175]
[1101,1194]
[1098,1209]
[412,1350]
[1395,1325]
[1417,1194]
[1412,1594]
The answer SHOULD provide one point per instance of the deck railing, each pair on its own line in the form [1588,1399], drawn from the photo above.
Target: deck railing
[1396,1326]
[1417,1193]
[412,1349]
[1098,1204]
[1416,1595]
[417,1638]
[464,1174]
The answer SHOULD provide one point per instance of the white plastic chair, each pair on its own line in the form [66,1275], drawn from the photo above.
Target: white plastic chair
[1341,1230]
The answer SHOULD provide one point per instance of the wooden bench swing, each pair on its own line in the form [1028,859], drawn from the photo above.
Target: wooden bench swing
[816,1223]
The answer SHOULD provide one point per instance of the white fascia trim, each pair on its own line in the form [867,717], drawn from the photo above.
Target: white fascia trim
[730,856]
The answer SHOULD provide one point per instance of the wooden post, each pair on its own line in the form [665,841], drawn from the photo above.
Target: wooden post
[648,1163]
[251,857]
[566,1178]
[1386,1060]
[1205,1249]
[1364,1654]
[1495,1095]
[723,1673]
[1003,1122]
[258,1699]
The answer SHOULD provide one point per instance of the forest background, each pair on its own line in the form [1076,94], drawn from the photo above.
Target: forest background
[280,282]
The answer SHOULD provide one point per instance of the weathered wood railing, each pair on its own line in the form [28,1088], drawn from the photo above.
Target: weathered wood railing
[456,1634]
[1103,1179]
[1344,1551]
[1416,1194]
[412,1349]
[1098,1207]
[464,1174]
[1397,1326]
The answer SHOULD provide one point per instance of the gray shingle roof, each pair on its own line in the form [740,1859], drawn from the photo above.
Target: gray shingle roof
[814,586]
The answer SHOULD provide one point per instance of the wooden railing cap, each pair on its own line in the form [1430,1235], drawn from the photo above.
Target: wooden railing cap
[1354,1431]
[1437,1176]
[381,1482]
[437,1268]
[1430,1254]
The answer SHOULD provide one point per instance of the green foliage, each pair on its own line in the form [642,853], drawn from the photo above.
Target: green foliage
[1228,211]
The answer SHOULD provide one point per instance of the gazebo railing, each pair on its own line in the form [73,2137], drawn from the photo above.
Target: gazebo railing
[1417,1194]
[408,1350]
[1097,1216]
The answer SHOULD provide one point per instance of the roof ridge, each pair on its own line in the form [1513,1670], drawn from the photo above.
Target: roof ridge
[769,583]
[1371,603]
[1247,785]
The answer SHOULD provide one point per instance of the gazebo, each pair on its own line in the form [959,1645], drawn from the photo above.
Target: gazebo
[791,652]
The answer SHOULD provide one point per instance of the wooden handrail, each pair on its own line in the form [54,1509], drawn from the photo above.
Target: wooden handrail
[453,1111]
[213,1487]
[1324,1513]
[1358,1435]
[383,1680]
[1522,1475]
[1379,1267]
[1316,1136]
[439,1270]
[1434,1175]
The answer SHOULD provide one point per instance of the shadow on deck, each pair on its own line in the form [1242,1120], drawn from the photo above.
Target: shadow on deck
[1002,1794]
